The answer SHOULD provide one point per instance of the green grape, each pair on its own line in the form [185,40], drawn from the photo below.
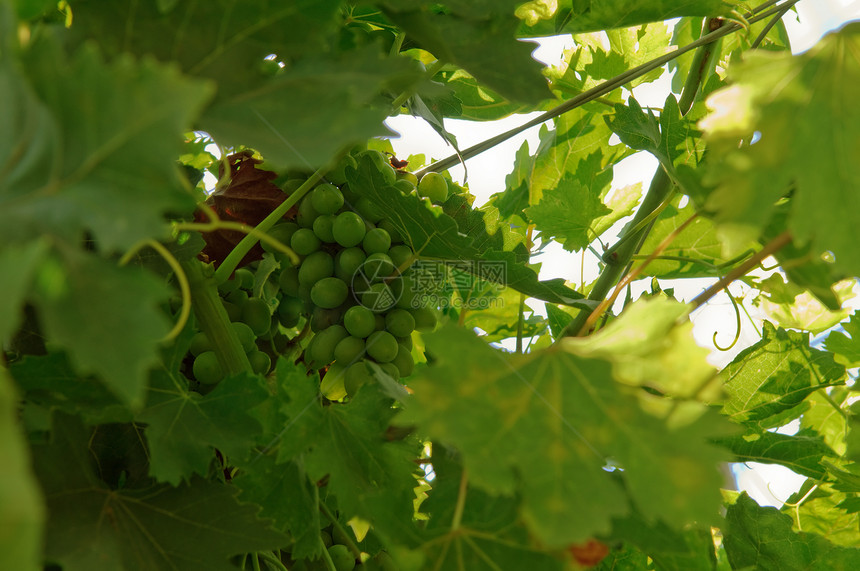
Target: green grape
[238,297]
[305,293]
[376,241]
[323,228]
[405,342]
[434,187]
[399,322]
[282,232]
[288,281]
[348,229]
[401,256]
[390,369]
[206,368]
[322,318]
[341,557]
[326,539]
[382,346]
[325,342]
[359,321]
[405,186]
[341,535]
[290,311]
[199,344]
[260,362]
[369,210]
[403,361]
[333,383]
[234,312]
[392,230]
[329,293]
[356,375]
[382,164]
[408,177]
[307,213]
[337,175]
[304,242]
[256,314]
[377,267]
[315,267]
[246,336]
[245,278]
[293,185]
[326,199]
[425,319]
[347,262]
[348,350]
[378,297]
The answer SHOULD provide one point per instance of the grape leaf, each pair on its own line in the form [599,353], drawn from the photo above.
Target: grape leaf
[104,158]
[644,132]
[774,375]
[22,510]
[71,290]
[801,452]
[804,139]
[826,512]
[544,425]
[476,101]
[695,252]
[690,549]
[791,306]
[183,428]
[489,535]
[433,234]
[90,526]
[287,497]
[18,265]
[576,16]
[846,346]
[762,538]
[371,477]
[479,37]
[567,212]
[50,381]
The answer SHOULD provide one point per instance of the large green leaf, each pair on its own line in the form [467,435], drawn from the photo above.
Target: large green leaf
[775,375]
[107,317]
[845,346]
[98,146]
[544,426]
[802,110]
[691,549]
[477,36]
[91,526]
[541,18]
[800,452]
[184,429]
[762,538]
[825,511]
[22,511]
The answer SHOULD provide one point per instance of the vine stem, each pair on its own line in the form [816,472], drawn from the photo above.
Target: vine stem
[353,548]
[461,501]
[632,275]
[231,262]
[601,90]
[772,247]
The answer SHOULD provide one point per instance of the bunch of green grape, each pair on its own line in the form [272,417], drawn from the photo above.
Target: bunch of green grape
[352,294]
[336,543]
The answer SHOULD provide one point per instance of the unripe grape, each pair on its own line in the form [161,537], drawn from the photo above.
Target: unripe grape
[399,322]
[332,385]
[290,311]
[315,267]
[329,293]
[246,336]
[377,267]
[348,229]
[393,232]
[403,361]
[401,256]
[349,350]
[337,175]
[288,281]
[369,210]
[323,228]
[378,297]
[347,262]
[382,346]
[341,557]
[234,312]
[356,375]
[206,368]
[256,314]
[304,242]
[376,241]
[434,187]
[260,362]
[382,164]
[326,199]
[325,341]
[238,297]
[405,186]
[425,319]
[307,213]
[322,318]
[199,344]
[245,278]
[390,369]
[281,232]
[407,176]
[359,321]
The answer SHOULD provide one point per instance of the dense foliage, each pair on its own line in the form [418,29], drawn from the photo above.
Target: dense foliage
[328,363]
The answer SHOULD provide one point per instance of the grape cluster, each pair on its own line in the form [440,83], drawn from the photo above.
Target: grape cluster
[344,560]
[352,288]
